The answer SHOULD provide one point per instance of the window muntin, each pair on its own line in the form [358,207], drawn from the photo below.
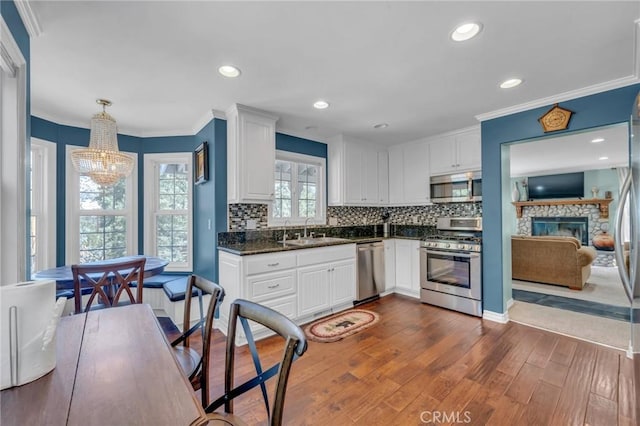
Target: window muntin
[42,194]
[168,209]
[299,194]
[101,221]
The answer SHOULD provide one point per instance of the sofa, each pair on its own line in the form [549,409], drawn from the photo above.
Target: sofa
[551,260]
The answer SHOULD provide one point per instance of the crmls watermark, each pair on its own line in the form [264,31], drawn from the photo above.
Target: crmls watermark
[445,417]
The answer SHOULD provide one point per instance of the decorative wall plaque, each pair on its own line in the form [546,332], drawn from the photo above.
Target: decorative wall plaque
[557,118]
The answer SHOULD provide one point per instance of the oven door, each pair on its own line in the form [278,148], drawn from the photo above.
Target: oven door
[451,272]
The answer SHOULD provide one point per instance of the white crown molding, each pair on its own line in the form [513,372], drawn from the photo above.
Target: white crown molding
[561,97]
[10,46]
[29,18]
[495,317]
[578,93]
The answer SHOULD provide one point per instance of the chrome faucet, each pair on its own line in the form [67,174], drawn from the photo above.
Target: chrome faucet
[305,226]
[284,233]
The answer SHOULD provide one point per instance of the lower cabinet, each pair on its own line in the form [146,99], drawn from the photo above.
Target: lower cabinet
[298,283]
[408,267]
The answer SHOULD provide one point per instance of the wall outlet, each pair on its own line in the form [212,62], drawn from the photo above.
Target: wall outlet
[251,224]
[333,221]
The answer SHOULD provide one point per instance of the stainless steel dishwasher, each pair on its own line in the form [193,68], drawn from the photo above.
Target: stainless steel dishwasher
[370,271]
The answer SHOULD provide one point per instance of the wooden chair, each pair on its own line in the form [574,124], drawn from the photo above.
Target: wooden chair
[295,344]
[114,280]
[193,364]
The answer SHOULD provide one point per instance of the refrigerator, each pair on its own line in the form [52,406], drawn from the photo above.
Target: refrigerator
[630,193]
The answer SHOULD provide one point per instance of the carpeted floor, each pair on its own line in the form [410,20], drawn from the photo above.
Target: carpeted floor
[605,331]
[603,286]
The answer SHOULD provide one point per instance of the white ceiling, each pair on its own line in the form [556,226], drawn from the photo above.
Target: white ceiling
[373,62]
[571,153]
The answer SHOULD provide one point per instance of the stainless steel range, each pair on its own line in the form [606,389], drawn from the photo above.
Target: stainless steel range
[451,265]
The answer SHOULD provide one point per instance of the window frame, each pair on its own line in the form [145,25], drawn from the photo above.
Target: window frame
[43,199]
[151,197]
[73,211]
[321,200]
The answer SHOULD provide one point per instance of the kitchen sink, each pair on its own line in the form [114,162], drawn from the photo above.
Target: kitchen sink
[314,241]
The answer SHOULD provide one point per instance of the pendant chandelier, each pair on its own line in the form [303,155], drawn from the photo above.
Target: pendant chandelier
[102,161]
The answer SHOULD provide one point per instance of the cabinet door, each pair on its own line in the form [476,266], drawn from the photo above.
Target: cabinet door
[469,151]
[313,289]
[389,264]
[416,173]
[442,156]
[383,178]
[369,171]
[396,175]
[343,282]
[408,265]
[258,143]
[353,174]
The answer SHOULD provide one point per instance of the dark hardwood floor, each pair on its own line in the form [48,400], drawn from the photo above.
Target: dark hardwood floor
[425,365]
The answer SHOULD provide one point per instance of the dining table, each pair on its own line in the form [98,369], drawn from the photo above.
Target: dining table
[63,276]
[114,367]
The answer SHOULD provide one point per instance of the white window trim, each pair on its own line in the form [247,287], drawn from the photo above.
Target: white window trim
[151,162]
[44,190]
[320,219]
[72,251]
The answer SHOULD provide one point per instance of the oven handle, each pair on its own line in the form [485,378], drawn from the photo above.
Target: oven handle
[450,253]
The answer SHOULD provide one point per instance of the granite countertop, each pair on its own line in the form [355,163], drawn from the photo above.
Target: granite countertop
[271,246]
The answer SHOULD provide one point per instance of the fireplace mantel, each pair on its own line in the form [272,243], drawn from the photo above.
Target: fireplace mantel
[602,203]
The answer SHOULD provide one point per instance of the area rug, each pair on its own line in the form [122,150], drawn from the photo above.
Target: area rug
[341,325]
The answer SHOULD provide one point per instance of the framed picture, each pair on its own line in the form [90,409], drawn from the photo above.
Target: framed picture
[201,167]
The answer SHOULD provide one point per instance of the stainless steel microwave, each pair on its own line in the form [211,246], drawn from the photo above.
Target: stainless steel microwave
[457,188]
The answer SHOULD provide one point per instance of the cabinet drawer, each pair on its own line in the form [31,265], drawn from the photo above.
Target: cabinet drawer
[268,286]
[270,263]
[285,305]
[314,256]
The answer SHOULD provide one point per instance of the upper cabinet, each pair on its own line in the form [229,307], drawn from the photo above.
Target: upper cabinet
[251,155]
[457,152]
[357,173]
[409,174]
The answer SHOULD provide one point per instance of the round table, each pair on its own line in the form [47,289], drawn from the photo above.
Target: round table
[63,276]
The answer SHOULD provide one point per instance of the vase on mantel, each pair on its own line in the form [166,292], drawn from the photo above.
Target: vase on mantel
[515,194]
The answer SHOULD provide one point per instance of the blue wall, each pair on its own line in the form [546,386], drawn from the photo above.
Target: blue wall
[592,111]
[300,146]
[19,33]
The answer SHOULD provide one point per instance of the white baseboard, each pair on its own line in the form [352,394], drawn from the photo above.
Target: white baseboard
[502,318]
[509,304]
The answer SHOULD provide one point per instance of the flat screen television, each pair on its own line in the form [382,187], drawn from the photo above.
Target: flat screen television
[566,185]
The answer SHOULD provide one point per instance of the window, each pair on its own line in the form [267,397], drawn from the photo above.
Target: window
[101,221]
[299,194]
[43,205]
[168,209]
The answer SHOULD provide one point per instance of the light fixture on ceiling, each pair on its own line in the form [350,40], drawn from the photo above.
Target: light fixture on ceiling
[597,140]
[512,82]
[381,126]
[603,158]
[229,71]
[321,104]
[466,31]
[102,161]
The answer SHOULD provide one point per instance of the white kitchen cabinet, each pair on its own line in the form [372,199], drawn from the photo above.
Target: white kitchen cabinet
[407,264]
[409,174]
[453,153]
[354,175]
[298,283]
[251,155]
[389,264]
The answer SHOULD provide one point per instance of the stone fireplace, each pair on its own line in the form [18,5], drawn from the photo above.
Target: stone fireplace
[576,227]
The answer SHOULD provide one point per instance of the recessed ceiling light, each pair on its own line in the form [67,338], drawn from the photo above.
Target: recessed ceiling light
[229,71]
[603,158]
[381,126]
[512,82]
[466,31]
[597,140]
[321,104]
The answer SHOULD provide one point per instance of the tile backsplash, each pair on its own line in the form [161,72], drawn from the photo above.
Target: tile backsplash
[360,215]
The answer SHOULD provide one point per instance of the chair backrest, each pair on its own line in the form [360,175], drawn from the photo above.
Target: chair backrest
[108,282]
[295,344]
[199,374]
